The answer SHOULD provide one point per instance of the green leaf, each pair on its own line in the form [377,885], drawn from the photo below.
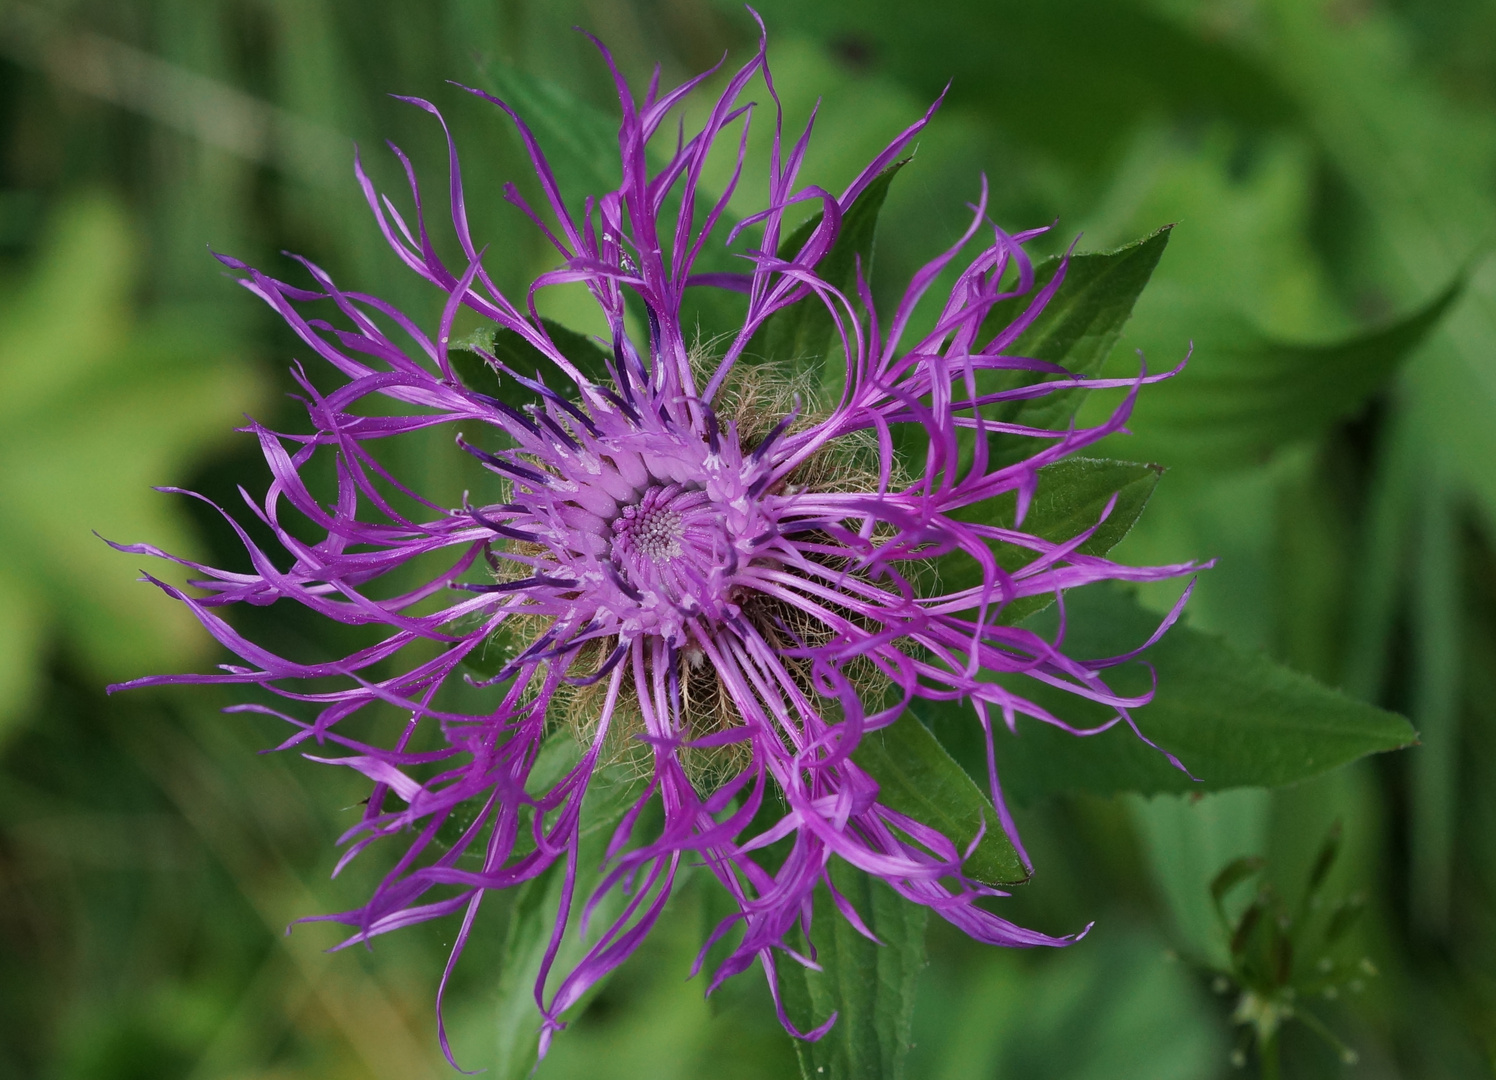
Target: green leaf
[804,333]
[1250,920]
[1343,916]
[1324,861]
[519,355]
[917,777]
[534,904]
[1070,498]
[1235,872]
[1077,329]
[1235,719]
[95,407]
[869,986]
[1244,395]
[579,141]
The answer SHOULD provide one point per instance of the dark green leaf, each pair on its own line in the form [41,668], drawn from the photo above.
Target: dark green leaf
[1236,871]
[1324,861]
[1250,920]
[804,333]
[869,986]
[1070,498]
[1346,914]
[1235,719]
[1244,395]
[520,356]
[918,778]
[1281,952]
[1077,329]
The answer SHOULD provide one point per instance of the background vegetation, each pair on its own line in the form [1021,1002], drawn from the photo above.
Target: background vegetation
[1331,165]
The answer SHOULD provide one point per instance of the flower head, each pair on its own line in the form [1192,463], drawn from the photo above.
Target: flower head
[682,563]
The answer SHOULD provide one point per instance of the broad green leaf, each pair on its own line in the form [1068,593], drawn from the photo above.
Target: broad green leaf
[917,777]
[869,986]
[1070,498]
[97,408]
[533,911]
[1418,160]
[804,334]
[1077,328]
[1234,719]
[1245,395]
[580,141]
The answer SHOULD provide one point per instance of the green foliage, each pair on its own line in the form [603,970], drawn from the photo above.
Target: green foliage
[1071,496]
[512,350]
[579,141]
[97,406]
[1079,326]
[917,777]
[803,335]
[531,910]
[869,985]
[1282,956]
[1327,164]
[1247,396]
[1234,719]
[1111,1007]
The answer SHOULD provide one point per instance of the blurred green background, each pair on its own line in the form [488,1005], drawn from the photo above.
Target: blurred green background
[1331,165]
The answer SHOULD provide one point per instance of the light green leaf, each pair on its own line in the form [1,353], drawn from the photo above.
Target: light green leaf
[869,986]
[917,777]
[1234,719]
[1244,395]
[96,410]
[1114,1007]
[579,141]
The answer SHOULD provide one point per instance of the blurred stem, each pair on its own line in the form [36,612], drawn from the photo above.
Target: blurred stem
[1267,1056]
[1437,636]
[1381,559]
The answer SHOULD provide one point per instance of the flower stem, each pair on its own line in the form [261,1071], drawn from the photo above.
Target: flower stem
[1267,1057]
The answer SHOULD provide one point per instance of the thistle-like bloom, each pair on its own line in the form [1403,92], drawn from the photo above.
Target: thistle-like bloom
[677,559]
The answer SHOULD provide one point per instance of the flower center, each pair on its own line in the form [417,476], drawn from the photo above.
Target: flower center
[652,529]
[668,542]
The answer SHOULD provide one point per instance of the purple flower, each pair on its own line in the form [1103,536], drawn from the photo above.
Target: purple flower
[688,568]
